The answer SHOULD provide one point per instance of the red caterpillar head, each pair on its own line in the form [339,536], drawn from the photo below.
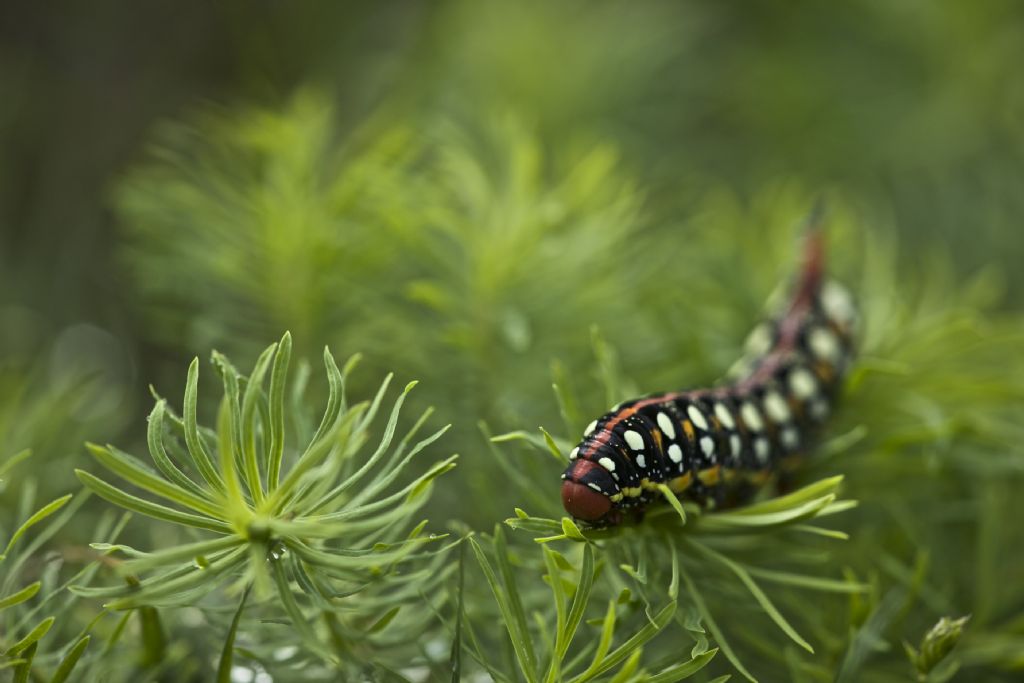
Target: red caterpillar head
[586,491]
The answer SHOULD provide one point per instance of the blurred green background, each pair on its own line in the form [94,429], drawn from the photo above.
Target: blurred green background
[180,177]
[462,190]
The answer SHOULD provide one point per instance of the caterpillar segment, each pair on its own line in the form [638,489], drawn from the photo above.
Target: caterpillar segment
[712,445]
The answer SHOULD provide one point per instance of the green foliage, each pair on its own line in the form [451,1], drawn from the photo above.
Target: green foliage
[935,646]
[497,265]
[22,633]
[55,391]
[330,538]
[305,213]
[458,250]
[495,198]
[549,661]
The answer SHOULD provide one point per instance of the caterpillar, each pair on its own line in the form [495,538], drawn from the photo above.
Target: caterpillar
[710,445]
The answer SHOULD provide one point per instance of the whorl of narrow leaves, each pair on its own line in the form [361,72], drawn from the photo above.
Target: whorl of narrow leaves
[326,515]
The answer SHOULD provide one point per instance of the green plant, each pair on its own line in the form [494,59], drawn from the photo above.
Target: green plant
[319,529]
[675,545]
[935,646]
[20,639]
[547,658]
[465,252]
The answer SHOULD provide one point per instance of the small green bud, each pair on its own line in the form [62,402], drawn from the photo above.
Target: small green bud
[936,644]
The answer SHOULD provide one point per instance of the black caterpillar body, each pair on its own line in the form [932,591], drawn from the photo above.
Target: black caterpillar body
[708,443]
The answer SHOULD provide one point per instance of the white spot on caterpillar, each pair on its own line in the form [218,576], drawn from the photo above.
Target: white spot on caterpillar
[697,417]
[735,445]
[790,438]
[761,450]
[574,453]
[641,461]
[837,302]
[824,344]
[724,416]
[707,444]
[635,441]
[751,417]
[590,428]
[802,383]
[675,453]
[665,423]
[759,341]
[776,407]
[594,486]
[607,463]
